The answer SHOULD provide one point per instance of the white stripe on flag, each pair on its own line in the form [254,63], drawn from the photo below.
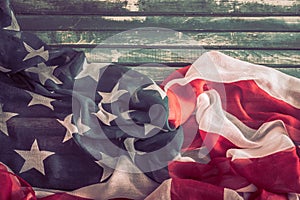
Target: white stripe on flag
[231,195]
[270,138]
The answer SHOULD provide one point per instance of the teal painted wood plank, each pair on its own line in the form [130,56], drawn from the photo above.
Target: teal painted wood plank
[216,40]
[161,73]
[291,71]
[158,7]
[205,24]
[274,58]
[231,7]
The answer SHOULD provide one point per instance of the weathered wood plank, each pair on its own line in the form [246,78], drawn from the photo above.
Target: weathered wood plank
[251,7]
[158,74]
[158,7]
[204,24]
[278,59]
[274,58]
[211,40]
[291,71]
[161,73]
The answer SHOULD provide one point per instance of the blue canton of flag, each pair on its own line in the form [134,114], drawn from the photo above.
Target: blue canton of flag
[65,123]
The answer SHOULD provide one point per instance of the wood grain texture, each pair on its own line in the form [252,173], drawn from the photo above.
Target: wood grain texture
[211,40]
[203,24]
[272,58]
[159,7]
[161,73]
[291,71]
[265,32]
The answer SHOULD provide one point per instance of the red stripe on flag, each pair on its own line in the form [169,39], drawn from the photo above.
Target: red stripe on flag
[263,195]
[218,172]
[13,187]
[278,173]
[253,106]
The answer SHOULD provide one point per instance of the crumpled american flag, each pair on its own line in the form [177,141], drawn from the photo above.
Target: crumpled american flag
[220,128]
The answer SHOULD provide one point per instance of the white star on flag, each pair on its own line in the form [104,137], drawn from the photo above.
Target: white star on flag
[3,69]
[82,128]
[14,24]
[34,159]
[44,72]
[129,145]
[40,100]
[149,127]
[107,163]
[79,128]
[71,128]
[104,116]
[35,52]
[109,97]
[155,87]
[91,69]
[4,117]
[126,115]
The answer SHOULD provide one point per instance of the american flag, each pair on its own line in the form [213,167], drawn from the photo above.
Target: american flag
[220,128]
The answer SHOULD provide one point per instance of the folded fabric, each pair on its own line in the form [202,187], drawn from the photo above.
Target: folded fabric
[249,127]
[67,125]
[220,128]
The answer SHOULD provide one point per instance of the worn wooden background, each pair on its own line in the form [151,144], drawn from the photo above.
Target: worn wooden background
[259,31]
